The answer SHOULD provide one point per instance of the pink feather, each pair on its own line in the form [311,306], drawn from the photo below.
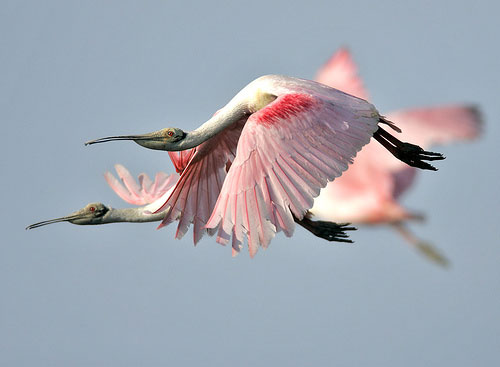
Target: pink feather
[342,73]
[286,152]
[368,191]
[146,192]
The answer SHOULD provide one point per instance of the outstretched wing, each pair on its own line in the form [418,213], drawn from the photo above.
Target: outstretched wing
[196,192]
[286,153]
[143,193]
[367,192]
[341,72]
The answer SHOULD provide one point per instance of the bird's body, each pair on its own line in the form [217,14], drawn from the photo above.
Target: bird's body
[240,203]
[297,112]
[257,164]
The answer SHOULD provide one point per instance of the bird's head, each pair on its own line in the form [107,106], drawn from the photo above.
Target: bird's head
[164,139]
[92,213]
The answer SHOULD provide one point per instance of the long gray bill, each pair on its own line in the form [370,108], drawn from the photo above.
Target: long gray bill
[124,137]
[50,221]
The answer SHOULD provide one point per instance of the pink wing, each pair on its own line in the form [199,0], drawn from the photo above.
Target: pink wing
[286,152]
[367,192]
[429,126]
[144,193]
[438,125]
[196,192]
[340,72]
[363,194]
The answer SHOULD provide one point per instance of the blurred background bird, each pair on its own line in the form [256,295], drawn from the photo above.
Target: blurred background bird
[369,191]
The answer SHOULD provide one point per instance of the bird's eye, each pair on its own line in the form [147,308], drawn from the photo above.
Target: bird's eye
[92,208]
[170,133]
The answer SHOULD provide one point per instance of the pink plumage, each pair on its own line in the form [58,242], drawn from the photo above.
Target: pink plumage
[286,153]
[199,185]
[367,192]
[146,192]
[290,106]
[255,167]
[341,72]
[278,158]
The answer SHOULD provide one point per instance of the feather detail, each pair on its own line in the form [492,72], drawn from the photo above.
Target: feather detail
[273,148]
[195,194]
[145,192]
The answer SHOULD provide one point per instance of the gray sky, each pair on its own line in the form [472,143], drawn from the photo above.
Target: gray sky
[127,295]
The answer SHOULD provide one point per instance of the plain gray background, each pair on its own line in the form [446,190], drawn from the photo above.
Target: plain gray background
[128,295]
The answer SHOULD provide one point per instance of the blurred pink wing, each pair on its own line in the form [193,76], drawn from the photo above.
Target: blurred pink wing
[340,72]
[367,192]
[437,125]
[426,127]
[196,192]
[143,193]
[286,152]
[363,194]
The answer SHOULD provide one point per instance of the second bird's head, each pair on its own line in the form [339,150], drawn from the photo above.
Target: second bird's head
[164,139]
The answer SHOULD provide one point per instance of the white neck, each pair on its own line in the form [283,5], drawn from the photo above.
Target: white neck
[242,105]
[131,215]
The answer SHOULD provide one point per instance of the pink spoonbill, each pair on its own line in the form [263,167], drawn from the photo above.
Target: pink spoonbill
[255,167]
[368,192]
[147,195]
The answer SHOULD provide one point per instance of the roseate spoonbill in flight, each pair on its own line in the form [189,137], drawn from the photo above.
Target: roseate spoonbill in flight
[368,192]
[255,167]
[147,193]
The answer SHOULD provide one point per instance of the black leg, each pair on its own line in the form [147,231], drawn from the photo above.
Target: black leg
[411,154]
[329,231]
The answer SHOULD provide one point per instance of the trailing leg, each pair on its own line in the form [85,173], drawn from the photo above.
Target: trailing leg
[329,231]
[411,154]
